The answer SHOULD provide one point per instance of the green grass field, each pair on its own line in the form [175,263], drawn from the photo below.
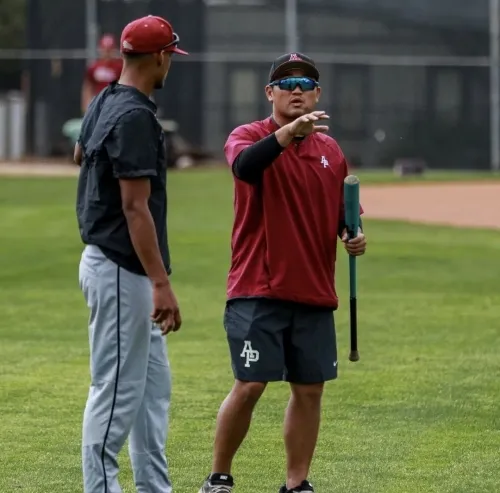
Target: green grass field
[419,412]
[384,176]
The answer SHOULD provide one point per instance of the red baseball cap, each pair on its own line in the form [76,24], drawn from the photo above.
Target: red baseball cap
[150,34]
[107,42]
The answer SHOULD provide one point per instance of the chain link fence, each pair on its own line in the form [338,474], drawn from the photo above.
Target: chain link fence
[399,78]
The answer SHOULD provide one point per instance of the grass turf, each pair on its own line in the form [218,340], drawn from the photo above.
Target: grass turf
[386,176]
[383,176]
[418,412]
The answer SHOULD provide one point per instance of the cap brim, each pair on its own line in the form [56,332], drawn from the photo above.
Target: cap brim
[179,51]
[308,69]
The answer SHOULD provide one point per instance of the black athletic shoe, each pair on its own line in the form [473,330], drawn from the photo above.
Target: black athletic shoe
[218,483]
[304,487]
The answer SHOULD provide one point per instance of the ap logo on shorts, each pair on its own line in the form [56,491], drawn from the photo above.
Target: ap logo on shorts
[250,355]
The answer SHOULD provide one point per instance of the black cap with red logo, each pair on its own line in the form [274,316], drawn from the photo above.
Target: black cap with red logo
[293,61]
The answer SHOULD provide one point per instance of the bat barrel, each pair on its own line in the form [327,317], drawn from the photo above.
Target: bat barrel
[351,204]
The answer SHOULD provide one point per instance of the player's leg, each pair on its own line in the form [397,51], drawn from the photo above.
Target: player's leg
[311,359]
[119,335]
[255,331]
[149,432]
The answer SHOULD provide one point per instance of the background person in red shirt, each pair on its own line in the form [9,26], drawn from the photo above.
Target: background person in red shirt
[288,179]
[102,72]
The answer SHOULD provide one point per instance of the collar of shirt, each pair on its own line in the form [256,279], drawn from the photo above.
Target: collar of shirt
[116,87]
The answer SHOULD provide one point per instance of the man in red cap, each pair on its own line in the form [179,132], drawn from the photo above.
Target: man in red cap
[102,72]
[281,297]
[125,266]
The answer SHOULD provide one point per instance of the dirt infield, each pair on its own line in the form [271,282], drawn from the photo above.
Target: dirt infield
[455,204]
[39,169]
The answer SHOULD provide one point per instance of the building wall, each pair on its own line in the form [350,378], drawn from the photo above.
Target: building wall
[381,108]
[55,84]
[379,111]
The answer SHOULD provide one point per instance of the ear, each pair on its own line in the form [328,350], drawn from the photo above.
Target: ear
[269,93]
[318,93]
[160,59]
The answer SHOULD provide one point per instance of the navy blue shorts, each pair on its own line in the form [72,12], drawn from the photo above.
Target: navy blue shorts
[272,340]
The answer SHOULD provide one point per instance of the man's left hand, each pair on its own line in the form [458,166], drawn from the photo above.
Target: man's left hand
[356,246]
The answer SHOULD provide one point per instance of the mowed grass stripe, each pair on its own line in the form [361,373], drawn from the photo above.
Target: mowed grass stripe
[418,412]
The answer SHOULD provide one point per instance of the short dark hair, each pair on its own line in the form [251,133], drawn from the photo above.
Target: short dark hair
[135,56]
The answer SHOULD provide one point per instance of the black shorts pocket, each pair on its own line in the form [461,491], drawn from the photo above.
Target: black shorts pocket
[255,331]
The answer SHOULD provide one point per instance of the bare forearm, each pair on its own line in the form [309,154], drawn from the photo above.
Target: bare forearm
[143,235]
[78,154]
[86,96]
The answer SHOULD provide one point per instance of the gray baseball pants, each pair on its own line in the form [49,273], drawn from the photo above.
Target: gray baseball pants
[130,386]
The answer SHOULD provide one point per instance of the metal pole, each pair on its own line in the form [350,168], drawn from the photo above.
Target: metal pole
[495,84]
[292,35]
[91,29]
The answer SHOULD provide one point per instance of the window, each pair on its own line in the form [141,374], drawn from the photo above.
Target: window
[479,97]
[448,95]
[245,92]
[241,3]
[350,99]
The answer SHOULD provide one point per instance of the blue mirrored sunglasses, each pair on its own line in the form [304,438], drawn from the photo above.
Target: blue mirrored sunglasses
[290,83]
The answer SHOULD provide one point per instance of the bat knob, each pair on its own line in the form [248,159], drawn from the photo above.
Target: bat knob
[354,356]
